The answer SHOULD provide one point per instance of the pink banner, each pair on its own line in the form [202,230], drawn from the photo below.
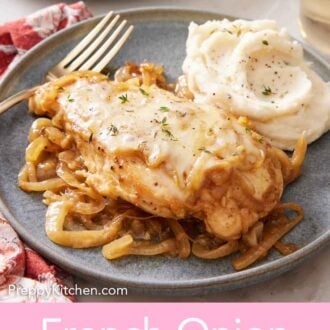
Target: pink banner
[160,316]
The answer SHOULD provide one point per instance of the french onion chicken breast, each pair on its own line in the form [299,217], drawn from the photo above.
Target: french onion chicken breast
[167,155]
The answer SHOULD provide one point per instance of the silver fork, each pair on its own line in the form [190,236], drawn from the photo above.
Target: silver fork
[92,53]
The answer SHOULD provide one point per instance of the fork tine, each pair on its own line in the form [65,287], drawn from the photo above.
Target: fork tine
[107,58]
[94,45]
[85,41]
[50,77]
[104,48]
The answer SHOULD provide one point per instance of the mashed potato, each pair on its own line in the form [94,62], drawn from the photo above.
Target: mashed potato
[253,69]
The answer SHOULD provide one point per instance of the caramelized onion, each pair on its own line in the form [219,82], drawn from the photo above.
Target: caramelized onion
[181,238]
[35,148]
[223,250]
[117,248]
[49,184]
[55,218]
[274,231]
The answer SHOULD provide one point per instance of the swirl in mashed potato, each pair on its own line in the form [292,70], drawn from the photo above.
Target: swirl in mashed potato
[254,69]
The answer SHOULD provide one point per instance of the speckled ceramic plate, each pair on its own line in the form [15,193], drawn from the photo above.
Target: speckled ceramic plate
[159,37]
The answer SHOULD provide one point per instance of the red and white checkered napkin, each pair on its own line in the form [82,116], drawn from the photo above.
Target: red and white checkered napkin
[24,275]
[19,36]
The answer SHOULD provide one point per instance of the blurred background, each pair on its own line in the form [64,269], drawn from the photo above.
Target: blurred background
[303,18]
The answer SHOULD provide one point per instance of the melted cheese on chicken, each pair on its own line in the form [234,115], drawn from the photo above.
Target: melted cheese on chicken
[169,156]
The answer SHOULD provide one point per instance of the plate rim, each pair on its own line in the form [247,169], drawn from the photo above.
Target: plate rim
[238,279]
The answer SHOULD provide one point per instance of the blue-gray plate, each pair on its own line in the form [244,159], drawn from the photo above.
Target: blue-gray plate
[159,36]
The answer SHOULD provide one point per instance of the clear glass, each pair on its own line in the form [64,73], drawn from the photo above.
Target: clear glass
[315,23]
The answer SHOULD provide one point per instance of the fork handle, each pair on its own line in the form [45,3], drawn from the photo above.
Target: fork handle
[16,98]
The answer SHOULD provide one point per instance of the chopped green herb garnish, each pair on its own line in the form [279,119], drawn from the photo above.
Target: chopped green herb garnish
[113,130]
[143,92]
[164,109]
[166,130]
[238,30]
[247,130]
[267,91]
[228,31]
[123,98]
[70,99]
[265,42]
[164,121]
[204,150]
[168,133]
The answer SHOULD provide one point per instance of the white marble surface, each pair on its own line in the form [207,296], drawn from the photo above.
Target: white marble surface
[308,282]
